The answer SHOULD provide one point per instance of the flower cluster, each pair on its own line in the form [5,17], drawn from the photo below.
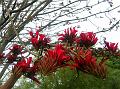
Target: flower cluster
[52,60]
[39,40]
[80,56]
[73,51]
[16,49]
[69,35]
[87,39]
[86,62]
[27,70]
[14,52]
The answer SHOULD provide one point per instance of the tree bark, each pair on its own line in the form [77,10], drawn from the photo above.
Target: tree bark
[10,82]
[16,74]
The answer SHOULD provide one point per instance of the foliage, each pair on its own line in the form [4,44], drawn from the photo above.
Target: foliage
[69,80]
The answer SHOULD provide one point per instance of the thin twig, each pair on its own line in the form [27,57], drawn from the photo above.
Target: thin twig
[109,28]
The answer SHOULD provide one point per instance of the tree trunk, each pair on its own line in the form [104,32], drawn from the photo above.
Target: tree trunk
[16,74]
[10,82]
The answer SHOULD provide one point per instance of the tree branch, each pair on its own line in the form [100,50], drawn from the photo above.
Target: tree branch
[109,28]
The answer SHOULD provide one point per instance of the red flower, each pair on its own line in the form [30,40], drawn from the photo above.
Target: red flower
[111,46]
[52,60]
[44,40]
[39,40]
[16,49]
[87,39]
[27,70]
[68,36]
[58,54]
[84,57]
[11,58]
[35,43]
[24,64]
[85,62]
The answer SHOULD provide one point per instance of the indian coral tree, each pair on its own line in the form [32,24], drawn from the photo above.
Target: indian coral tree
[71,51]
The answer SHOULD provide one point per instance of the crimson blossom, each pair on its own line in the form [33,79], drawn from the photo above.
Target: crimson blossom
[26,69]
[24,63]
[39,40]
[11,58]
[83,58]
[52,60]
[69,35]
[84,61]
[87,39]
[16,49]
[112,47]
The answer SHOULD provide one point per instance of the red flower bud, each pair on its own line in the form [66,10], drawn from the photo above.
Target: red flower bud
[112,47]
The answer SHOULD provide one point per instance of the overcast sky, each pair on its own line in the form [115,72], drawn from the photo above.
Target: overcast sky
[94,24]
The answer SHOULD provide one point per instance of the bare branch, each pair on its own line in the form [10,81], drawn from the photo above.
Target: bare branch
[109,29]
[24,7]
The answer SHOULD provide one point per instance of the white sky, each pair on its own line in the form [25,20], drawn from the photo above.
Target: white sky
[113,36]
[97,23]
